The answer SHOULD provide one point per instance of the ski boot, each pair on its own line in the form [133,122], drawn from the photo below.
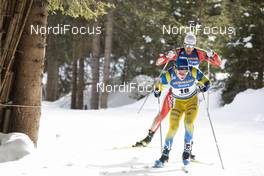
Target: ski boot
[186,158]
[164,158]
[186,161]
[145,141]
[186,155]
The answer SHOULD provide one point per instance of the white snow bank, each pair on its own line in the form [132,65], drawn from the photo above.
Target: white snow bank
[119,99]
[14,146]
[248,101]
[120,95]
[114,100]
[246,109]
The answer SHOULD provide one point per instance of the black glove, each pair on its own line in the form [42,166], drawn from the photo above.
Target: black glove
[145,141]
[203,88]
[157,93]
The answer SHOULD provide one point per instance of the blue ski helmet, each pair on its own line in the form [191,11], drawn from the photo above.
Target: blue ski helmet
[182,64]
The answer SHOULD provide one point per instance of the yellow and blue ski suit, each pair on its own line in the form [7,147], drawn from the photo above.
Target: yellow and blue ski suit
[185,101]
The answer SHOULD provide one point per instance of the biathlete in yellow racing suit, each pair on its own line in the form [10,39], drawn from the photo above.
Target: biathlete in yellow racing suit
[194,56]
[183,80]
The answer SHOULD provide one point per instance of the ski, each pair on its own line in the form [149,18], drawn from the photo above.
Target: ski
[201,162]
[194,161]
[132,147]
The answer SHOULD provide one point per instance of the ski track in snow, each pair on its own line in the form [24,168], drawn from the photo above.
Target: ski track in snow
[82,143]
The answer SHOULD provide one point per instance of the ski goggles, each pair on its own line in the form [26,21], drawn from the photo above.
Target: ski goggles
[188,45]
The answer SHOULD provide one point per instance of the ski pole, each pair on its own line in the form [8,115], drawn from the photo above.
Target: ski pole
[211,124]
[161,145]
[146,98]
[209,74]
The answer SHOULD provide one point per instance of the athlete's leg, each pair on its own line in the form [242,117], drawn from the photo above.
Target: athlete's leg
[166,106]
[175,118]
[189,119]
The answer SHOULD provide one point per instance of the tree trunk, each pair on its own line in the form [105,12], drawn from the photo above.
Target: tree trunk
[74,85]
[95,69]
[124,72]
[107,52]
[52,82]
[260,76]
[28,74]
[80,84]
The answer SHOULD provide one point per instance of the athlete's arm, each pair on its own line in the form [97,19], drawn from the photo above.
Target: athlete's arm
[200,77]
[164,79]
[213,59]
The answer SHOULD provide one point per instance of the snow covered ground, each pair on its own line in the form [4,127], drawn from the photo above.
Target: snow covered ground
[90,143]
[115,100]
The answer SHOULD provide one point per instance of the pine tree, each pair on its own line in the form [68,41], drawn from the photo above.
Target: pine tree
[107,56]
[95,69]
[245,64]
[28,64]
[28,74]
